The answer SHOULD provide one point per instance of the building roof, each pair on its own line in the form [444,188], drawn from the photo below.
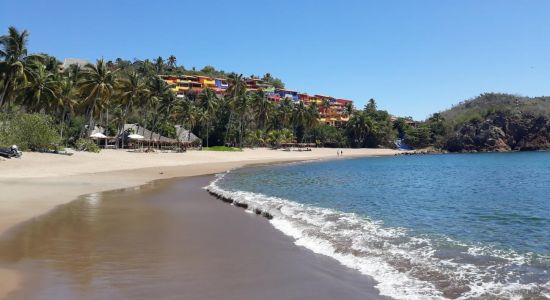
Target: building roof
[74,61]
[183,135]
[323,97]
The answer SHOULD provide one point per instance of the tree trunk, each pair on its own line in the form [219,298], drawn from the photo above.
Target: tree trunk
[153,125]
[106,126]
[7,84]
[90,119]
[121,127]
[63,120]
[207,133]
[228,126]
[241,132]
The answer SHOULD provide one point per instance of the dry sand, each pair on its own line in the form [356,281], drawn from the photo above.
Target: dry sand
[35,184]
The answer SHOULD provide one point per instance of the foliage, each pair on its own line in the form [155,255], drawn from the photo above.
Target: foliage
[418,137]
[272,138]
[277,137]
[97,87]
[428,133]
[489,103]
[329,136]
[34,132]
[447,124]
[167,129]
[370,127]
[113,93]
[275,82]
[88,145]
[72,129]
[221,148]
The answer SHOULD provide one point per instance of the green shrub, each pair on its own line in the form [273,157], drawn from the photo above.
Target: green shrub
[87,145]
[72,129]
[36,132]
[168,130]
[221,148]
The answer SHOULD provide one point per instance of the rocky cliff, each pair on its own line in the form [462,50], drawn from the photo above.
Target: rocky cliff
[502,131]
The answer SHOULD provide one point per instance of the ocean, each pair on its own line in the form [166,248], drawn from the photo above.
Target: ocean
[456,226]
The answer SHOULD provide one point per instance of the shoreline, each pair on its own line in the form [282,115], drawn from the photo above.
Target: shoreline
[31,196]
[234,255]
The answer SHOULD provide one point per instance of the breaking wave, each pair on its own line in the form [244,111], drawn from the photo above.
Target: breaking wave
[405,265]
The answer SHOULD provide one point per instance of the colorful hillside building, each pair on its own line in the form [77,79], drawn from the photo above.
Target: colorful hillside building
[332,111]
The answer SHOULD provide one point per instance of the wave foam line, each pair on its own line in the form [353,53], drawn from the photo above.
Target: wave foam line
[404,266]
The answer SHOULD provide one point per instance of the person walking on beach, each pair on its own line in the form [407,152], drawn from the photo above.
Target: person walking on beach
[341,152]
[337,152]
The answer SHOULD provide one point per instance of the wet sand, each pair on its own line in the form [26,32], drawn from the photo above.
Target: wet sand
[168,239]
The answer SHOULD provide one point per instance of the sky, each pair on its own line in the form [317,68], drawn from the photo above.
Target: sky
[414,57]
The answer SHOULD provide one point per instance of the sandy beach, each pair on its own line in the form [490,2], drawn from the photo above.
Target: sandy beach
[35,184]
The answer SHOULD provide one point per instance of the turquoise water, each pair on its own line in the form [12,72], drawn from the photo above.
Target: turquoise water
[460,226]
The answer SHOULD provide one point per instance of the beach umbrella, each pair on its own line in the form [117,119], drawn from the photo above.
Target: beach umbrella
[134,136]
[98,135]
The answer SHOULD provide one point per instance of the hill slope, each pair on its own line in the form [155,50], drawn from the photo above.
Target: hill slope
[492,102]
[498,122]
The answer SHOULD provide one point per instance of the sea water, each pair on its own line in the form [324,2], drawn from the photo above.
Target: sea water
[459,226]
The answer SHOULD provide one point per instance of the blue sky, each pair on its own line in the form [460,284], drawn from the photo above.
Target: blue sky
[413,57]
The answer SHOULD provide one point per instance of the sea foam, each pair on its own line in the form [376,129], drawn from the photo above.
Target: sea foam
[406,266]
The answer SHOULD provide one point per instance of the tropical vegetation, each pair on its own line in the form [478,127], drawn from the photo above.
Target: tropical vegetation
[38,98]
[113,93]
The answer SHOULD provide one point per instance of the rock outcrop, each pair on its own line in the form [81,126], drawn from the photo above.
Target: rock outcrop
[502,132]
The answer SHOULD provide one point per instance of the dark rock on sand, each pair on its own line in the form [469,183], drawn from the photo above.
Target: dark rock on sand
[240,204]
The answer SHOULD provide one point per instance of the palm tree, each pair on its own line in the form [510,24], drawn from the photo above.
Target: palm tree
[209,102]
[285,112]
[159,65]
[180,109]
[359,127]
[257,137]
[202,116]
[348,109]
[51,63]
[166,104]
[237,97]
[325,107]
[41,90]
[172,61]
[370,107]
[67,99]
[192,118]
[161,96]
[14,66]
[244,113]
[97,86]
[133,90]
[299,118]
[145,67]
[119,119]
[263,108]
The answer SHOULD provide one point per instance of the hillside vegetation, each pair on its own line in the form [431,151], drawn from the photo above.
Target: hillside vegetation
[494,102]
[69,101]
[44,106]
[492,122]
